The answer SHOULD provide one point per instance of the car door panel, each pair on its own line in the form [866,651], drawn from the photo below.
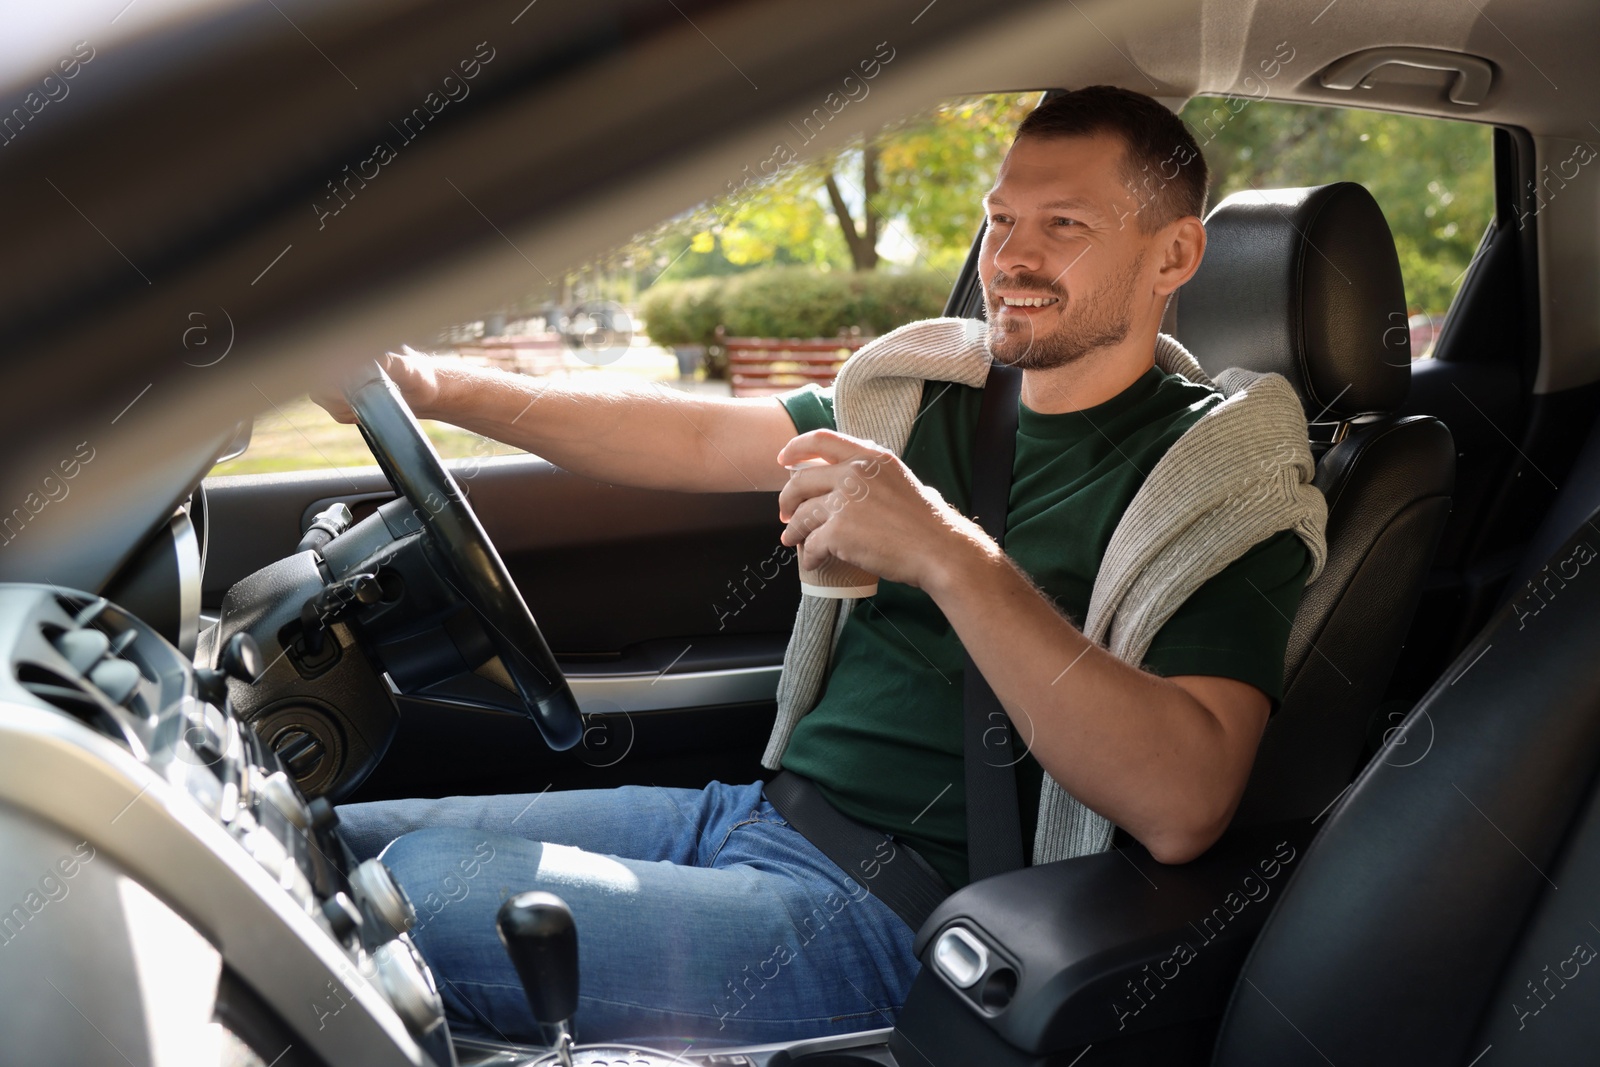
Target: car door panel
[669,611]
[663,563]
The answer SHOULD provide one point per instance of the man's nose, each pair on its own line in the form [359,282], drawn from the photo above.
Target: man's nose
[1021,252]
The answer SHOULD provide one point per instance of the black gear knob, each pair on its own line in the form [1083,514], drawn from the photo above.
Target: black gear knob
[542,941]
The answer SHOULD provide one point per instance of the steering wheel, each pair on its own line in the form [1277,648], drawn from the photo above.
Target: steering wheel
[415,470]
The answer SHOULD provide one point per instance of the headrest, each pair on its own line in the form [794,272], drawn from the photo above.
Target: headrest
[1304,282]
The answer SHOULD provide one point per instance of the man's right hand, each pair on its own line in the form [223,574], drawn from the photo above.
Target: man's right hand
[415,373]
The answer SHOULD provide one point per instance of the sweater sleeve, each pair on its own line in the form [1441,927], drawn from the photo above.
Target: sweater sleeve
[1237,624]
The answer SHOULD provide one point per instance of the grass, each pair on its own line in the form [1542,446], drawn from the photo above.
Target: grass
[300,436]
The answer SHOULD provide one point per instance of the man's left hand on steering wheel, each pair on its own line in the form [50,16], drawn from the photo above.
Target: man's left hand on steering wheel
[413,372]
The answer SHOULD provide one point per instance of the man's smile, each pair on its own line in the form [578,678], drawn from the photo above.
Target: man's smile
[1021,307]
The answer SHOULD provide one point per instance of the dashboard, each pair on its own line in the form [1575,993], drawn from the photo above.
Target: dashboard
[167,879]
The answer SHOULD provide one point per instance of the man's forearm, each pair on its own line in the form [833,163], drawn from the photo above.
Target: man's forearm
[1133,746]
[619,431]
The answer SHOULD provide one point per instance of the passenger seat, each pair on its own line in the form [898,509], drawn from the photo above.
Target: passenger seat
[1446,913]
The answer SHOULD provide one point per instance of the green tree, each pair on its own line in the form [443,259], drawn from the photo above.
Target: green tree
[938,166]
[1433,178]
[923,177]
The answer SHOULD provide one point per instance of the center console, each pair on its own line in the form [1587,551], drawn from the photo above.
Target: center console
[131,755]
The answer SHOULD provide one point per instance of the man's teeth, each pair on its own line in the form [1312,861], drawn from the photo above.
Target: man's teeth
[1028,301]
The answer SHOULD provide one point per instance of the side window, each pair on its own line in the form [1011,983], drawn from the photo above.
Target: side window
[1433,178]
[762,289]
[295,434]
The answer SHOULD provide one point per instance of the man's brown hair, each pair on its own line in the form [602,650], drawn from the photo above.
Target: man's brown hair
[1162,165]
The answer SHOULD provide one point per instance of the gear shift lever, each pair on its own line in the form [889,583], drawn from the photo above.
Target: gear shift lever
[542,941]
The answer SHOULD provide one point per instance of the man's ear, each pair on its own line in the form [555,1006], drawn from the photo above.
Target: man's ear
[1183,244]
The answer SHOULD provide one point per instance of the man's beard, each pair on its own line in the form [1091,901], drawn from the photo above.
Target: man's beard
[1102,319]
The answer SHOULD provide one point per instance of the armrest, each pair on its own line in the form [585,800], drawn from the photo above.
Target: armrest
[1098,947]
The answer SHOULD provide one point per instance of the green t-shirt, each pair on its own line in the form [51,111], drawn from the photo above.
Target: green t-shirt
[884,742]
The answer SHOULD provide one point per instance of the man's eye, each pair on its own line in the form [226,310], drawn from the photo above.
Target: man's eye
[1062,220]
[999,220]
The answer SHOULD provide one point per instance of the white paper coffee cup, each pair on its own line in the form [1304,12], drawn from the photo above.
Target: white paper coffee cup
[836,578]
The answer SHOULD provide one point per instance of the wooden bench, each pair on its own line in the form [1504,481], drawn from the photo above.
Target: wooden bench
[762,366]
[531,354]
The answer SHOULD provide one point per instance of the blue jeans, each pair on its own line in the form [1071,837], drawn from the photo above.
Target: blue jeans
[702,915]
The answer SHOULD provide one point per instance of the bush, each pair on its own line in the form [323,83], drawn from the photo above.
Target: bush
[895,299]
[658,309]
[798,302]
[786,302]
[699,310]
[682,313]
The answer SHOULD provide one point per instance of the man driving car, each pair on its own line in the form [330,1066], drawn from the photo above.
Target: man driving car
[702,912]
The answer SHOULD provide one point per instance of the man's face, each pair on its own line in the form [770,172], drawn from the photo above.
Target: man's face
[1063,256]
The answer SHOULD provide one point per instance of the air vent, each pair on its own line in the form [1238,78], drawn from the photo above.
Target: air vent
[92,682]
[73,697]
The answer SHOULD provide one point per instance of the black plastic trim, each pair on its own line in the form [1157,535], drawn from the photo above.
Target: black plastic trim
[1116,943]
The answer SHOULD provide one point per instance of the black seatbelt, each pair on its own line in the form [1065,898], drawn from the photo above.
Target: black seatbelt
[994,825]
[910,887]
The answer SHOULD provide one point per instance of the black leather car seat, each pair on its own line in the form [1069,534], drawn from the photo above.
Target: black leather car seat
[1306,282]
[1446,913]
[1577,498]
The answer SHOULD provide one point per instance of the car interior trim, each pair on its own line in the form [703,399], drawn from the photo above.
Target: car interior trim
[98,791]
[186,543]
[601,693]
